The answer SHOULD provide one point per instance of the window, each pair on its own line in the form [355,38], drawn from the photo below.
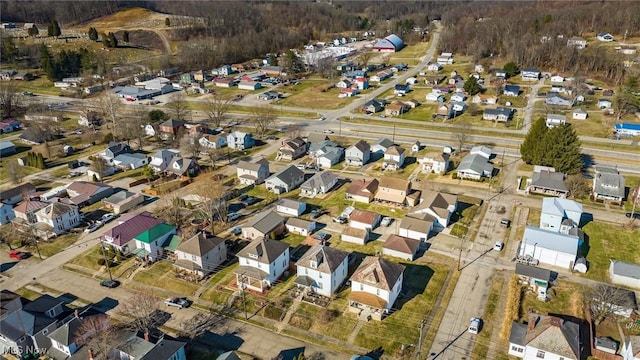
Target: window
[193,258]
[540,354]
[320,275]
[378,292]
[517,349]
[306,271]
[361,287]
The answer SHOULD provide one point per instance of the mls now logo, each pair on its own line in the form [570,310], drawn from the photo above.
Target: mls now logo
[23,350]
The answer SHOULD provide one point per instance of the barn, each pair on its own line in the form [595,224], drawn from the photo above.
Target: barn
[391,43]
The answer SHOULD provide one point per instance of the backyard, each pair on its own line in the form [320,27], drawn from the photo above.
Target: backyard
[606,242]
[162,275]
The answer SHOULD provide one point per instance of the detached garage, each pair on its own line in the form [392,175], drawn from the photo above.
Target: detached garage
[549,247]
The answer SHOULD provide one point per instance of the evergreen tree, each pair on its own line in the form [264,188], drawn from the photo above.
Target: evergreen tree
[93,34]
[56,29]
[167,22]
[50,29]
[125,36]
[471,86]
[563,149]
[9,51]
[112,40]
[511,68]
[533,147]
[46,63]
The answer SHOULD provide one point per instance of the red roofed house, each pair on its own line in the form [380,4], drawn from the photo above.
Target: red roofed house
[362,190]
[121,236]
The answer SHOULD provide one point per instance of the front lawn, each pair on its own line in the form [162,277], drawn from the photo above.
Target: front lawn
[606,242]
[335,202]
[566,299]
[51,247]
[161,275]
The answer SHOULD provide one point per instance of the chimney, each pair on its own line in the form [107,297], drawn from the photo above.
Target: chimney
[146,335]
[90,354]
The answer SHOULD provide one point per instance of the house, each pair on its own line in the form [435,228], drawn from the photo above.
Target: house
[362,190]
[120,237]
[560,215]
[579,114]
[555,120]
[445,58]
[435,97]
[210,141]
[501,74]
[627,129]
[475,166]
[58,217]
[161,160]
[375,286]
[623,273]
[381,145]
[416,146]
[445,111]
[381,76]
[291,207]
[224,82]
[553,98]
[26,210]
[358,154]
[70,336]
[604,36]
[240,141]
[148,347]
[511,90]
[130,161]
[393,190]
[320,183]
[83,193]
[391,43]
[269,95]
[401,247]
[558,79]
[261,263]
[300,226]
[114,149]
[252,173]
[123,201]
[262,225]
[343,84]
[401,89]
[530,74]
[16,194]
[150,243]
[548,182]
[319,148]
[7,148]
[416,226]
[285,180]
[6,213]
[393,158]
[7,74]
[608,185]
[363,219]
[536,278]
[361,83]
[32,137]
[353,235]
[500,114]
[434,67]
[322,270]
[348,92]
[396,108]
[549,247]
[183,167]
[631,348]
[9,125]
[577,42]
[24,324]
[373,106]
[171,128]
[435,163]
[458,97]
[249,85]
[399,67]
[202,254]
[272,70]
[546,337]
[484,99]
[292,149]
[604,103]
[438,205]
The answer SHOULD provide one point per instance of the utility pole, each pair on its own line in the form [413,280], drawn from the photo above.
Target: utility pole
[422,324]
[460,253]
[394,133]
[106,262]
[35,241]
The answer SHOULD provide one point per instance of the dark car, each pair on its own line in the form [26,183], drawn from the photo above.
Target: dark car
[110,283]
[250,201]
[243,197]
[322,236]
[315,213]
[635,215]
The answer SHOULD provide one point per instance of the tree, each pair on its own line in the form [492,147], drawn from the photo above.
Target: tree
[93,34]
[141,310]
[263,117]
[54,29]
[178,106]
[562,150]
[95,332]
[100,166]
[105,40]
[532,148]
[471,86]
[214,201]
[461,134]
[293,131]
[11,101]
[157,116]
[113,42]
[110,109]
[364,58]
[167,22]
[213,155]
[148,173]
[216,107]
[33,31]
[604,300]
[9,51]
[14,172]
[511,68]
[577,186]
[125,36]
[191,144]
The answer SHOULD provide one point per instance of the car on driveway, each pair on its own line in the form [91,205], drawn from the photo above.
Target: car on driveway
[250,201]
[315,213]
[635,215]
[18,255]
[93,227]
[386,221]
[180,303]
[322,236]
[107,218]
[233,216]
[243,197]
[340,219]
[110,283]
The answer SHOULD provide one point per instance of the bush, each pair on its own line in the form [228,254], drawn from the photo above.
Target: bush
[327,315]
[513,306]
[301,322]
[454,175]
[108,138]
[101,262]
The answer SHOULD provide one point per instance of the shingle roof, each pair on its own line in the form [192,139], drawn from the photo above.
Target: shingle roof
[354,232]
[29,206]
[549,180]
[626,269]
[288,175]
[328,258]
[199,244]
[363,188]
[436,201]
[129,227]
[555,335]
[378,272]
[414,223]
[533,272]
[163,349]
[609,184]
[323,178]
[394,183]
[363,216]
[155,232]
[55,210]
[362,146]
[253,166]
[265,221]
[299,223]
[401,244]
[17,190]
[383,142]
[395,150]
[264,250]
[289,203]
[476,163]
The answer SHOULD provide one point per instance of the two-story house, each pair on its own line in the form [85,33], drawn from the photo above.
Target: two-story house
[114,149]
[161,160]
[262,225]
[202,254]
[375,286]
[184,167]
[240,141]
[211,141]
[393,158]
[393,190]
[261,263]
[144,346]
[171,128]
[320,183]
[608,185]
[439,205]
[252,173]
[120,237]
[322,269]
[560,215]
[292,149]
[358,154]
[58,218]
[285,180]
[150,243]
[26,210]
[546,337]
[71,335]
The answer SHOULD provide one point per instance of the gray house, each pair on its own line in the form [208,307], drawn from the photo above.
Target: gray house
[319,183]
[608,185]
[358,154]
[381,145]
[285,180]
[114,149]
[500,114]
[7,148]
[252,173]
[262,225]
[548,182]
[554,98]
[475,167]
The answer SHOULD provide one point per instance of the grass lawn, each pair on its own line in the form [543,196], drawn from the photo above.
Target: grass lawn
[566,298]
[309,95]
[89,260]
[534,217]
[609,242]
[336,202]
[409,167]
[410,54]
[592,126]
[489,319]
[27,293]
[134,174]
[54,246]
[632,183]
[216,292]
[293,239]
[161,275]
[307,315]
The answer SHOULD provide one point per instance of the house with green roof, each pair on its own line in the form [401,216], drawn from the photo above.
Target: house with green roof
[150,243]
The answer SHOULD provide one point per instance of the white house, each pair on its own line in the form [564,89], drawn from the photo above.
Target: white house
[445,58]
[393,158]
[555,212]
[608,185]
[330,158]
[530,74]
[240,141]
[401,247]
[435,162]
[291,207]
[604,104]
[213,141]
[375,286]
[58,217]
[363,219]
[557,79]
[438,205]
[300,226]
[555,120]
[130,161]
[161,160]
[434,66]
[353,235]
[626,274]
[285,180]
[71,335]
[458,97]
[475,166]
[546,337]
[416,226]
[150,243]
[252,173]
[579,114]
[261,263]
[434,96]
[320,183]
[201,254]
[358,154]
[604,36]
[322,269]
[549,247]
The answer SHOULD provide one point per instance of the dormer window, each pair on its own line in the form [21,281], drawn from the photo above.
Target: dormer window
[313,264]
[253,256]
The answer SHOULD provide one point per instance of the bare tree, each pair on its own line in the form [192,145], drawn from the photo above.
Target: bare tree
[364,58]
[11,101]
[605,300]
[171,211]
[577,186]
[178,106]
[96,333]
[213,155]
[100,166]
[14,172]
[140,310]
[214,201]
[191,144]
[137,126]
[461,134]
[216,107]
[293,131]
[263,117]
[110,109]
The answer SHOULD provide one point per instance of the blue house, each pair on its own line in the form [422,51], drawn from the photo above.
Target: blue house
[7,148]
[401,89]
[240,141]
[511,90]
[626,129]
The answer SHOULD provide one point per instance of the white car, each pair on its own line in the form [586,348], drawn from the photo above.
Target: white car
[328,131]
[498,246]
[474,325]
[180,303]
[233,216]
[93,227]
[107,217]
[386,221]
[236,231]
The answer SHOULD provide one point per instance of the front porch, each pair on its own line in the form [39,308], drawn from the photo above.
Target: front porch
[367,306]
[252,278]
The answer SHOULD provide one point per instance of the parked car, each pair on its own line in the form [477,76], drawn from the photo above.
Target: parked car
[321,236]
[635,215]
[110,283]
[322,118]
[233,216]
[93,227]
[328,131]
[243,197]
[505,222]
[18,255]
[107,218]
[315,213]
[386,221]
[180,303]
[474,325]
[498,246]
[236,231]
[250,201]
[340,219]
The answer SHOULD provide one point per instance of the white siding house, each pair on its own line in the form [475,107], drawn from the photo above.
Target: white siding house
[59,217]
[375,286]
[549,247]
[626,274]
[322,269]
[261,263]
